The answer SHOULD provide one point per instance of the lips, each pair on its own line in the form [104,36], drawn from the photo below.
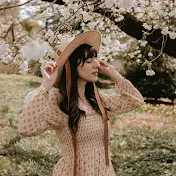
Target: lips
[95,73]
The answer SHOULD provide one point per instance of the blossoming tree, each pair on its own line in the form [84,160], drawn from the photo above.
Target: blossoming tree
[40,26]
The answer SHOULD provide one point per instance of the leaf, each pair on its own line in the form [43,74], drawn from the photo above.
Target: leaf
[29,26]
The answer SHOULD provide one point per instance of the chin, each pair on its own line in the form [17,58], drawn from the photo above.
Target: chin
[93,80]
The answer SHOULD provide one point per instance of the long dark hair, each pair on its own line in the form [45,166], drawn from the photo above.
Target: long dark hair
[80,54]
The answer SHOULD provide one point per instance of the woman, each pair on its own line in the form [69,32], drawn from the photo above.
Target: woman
[75,109]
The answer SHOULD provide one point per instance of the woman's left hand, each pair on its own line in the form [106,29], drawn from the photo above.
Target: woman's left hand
[105,68]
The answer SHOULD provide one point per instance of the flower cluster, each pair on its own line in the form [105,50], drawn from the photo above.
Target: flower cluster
[5,52]
[150,72]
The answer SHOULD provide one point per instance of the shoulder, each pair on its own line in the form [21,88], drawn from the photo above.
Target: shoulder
[104,95]
[55,96]
[109,97]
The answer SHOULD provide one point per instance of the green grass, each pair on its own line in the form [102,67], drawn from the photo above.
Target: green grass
[136,150]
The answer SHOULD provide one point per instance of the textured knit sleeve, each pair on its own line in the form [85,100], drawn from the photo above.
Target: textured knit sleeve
[127,98]
[39,112]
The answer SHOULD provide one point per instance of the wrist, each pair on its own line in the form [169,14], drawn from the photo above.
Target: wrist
[112,73]
[46,86]
[115,76]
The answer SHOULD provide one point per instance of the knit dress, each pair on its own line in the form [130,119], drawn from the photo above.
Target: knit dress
[41,112]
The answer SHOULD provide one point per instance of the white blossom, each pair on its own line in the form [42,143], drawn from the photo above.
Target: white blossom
[75,6]
[60,37]
[34,50]
[156,26]
[147,26]
[172,13]
[150,54]
[6,58]
[101,23]
[131,55]
[47,12]
[66,1]
[139,56]
[86,16]
[151,14]
[90,7]
[50,20]
[172,35]
[50,52]
[91,25]
[138,60]
[142,42]
[109,3]
[120,18]
[150,72]
[165,31]
[49,34]
[23,68]
[65,13]
[2,1]
[43,62]
[4,48]
[126,4]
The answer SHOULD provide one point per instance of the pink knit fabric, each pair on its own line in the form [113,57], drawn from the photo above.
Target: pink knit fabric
[41,112]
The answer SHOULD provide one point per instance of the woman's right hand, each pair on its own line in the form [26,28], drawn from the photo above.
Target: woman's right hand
[49,74]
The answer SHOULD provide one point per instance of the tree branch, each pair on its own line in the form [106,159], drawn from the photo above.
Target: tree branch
[134,28]
[10,7]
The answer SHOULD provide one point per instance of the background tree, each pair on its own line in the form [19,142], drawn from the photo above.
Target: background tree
[35,31]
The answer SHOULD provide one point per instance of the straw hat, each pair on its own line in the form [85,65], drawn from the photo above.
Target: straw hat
[65,49]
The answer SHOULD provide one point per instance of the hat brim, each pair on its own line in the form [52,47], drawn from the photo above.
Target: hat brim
[92,38]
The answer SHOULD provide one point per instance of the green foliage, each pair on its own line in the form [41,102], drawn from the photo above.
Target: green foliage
[134,152]
[34,156]
[29,26]
[140,152]
[4,110]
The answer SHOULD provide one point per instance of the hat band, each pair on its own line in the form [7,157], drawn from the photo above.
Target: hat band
[59,52]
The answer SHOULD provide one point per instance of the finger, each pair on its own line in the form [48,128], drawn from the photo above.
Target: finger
[49,68]
[52,64]
[103,63]
[56,69]
[53,69]
[100,69]
[44,73]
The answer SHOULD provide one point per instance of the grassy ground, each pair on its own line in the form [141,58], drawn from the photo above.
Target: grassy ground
[143,141]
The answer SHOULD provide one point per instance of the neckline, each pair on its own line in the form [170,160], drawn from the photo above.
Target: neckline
[90,112]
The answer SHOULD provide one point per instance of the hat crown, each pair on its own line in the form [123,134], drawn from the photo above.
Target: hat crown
[65,43]
[67,47]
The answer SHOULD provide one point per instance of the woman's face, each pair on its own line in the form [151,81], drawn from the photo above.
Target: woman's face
[89,71]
